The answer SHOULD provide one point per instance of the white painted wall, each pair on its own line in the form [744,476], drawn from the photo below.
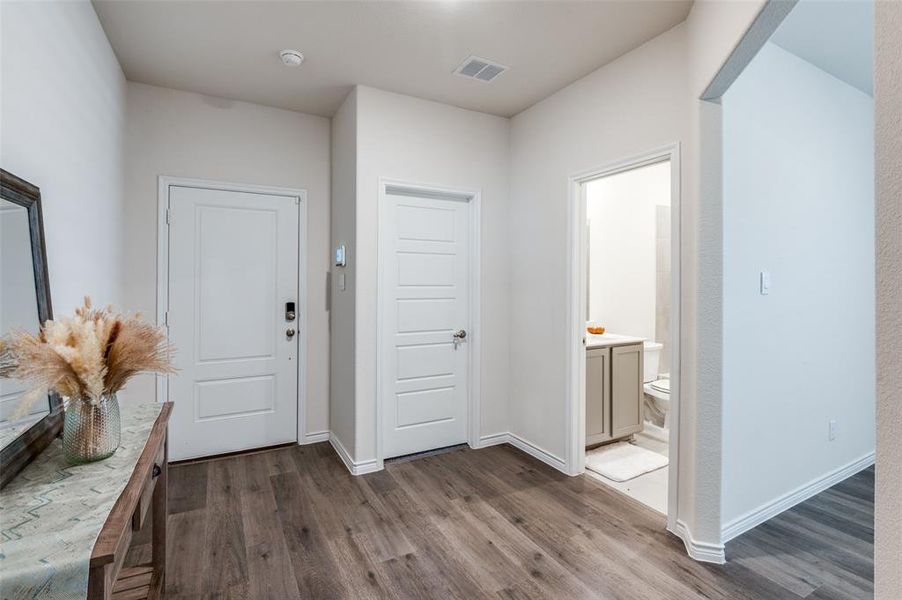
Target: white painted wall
[62,123]
[635,104]
[342,310]
[424,142]
[846,27]
[622,220]
[643,100]
[798,201]
[184,134]
[888,140]
[714,30]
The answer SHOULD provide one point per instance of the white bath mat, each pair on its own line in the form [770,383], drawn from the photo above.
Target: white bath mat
[623,461]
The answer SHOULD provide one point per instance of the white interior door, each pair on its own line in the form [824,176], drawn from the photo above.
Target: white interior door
[425,301]
[233,266]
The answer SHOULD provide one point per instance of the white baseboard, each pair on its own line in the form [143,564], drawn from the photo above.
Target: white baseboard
[770,510]
[356,468]
[700,551]
[315,437]
[654,432]
[537,452]
[372,465]
[493,440]
[519,443]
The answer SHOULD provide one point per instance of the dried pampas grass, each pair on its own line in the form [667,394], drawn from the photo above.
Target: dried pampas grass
[84,357]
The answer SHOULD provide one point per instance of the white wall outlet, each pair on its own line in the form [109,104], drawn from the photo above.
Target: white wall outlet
[765,282]
[832,430]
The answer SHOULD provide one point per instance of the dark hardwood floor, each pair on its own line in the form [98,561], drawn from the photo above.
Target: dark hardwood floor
[492,523]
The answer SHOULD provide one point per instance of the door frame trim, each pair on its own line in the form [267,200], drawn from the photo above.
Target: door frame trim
[473,197]
[163,185]
[577,305]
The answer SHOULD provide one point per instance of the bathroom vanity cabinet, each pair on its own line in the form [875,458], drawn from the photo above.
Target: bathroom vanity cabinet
[598,395]
[613,390]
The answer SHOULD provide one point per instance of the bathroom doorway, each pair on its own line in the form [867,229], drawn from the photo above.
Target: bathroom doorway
[625,327]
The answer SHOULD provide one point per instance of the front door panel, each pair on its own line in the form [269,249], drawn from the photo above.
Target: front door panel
[233,264]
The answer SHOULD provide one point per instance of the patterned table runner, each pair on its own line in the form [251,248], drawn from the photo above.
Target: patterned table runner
[52,513]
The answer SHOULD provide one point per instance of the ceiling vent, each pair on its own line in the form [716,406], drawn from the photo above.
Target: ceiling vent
[480,68]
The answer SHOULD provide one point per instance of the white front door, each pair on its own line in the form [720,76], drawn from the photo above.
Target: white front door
[425,300]
[233,266]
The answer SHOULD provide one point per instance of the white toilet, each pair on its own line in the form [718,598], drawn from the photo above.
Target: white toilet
[657,389]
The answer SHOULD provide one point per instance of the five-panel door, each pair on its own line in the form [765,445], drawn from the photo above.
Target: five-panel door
[425,315]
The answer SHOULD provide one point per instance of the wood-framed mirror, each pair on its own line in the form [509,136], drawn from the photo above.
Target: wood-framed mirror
[24,305]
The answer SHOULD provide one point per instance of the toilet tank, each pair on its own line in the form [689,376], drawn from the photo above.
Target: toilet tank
[652,360]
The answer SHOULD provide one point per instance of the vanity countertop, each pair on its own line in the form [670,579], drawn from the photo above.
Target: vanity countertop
[609,340]
[52,512]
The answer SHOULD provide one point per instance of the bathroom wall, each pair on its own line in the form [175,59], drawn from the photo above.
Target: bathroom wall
[799,202]
[663,282]
[624,259]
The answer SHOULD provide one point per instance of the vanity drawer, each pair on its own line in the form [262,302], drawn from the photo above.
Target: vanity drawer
[140,515]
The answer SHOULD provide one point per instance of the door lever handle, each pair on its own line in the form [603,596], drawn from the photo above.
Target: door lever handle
[459,337]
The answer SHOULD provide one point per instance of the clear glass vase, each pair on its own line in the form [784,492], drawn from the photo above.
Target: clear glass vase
[91,431]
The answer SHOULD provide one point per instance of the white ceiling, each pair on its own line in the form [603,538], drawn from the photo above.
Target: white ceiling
[834,36]
[230,49]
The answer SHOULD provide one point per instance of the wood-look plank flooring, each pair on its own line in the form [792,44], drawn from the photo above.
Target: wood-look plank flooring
[492,523]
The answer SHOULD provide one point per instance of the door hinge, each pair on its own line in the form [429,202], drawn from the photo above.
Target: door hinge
[166,318]
[168,216]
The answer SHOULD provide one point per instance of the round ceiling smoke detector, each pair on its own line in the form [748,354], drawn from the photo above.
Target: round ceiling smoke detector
[291,58]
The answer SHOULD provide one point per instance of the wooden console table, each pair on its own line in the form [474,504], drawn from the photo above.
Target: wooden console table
[66,529]
[146,490]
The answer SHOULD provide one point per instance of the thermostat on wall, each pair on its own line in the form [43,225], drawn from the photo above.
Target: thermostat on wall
[340,256]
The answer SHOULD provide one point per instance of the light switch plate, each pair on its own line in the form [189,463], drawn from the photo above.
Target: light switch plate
[765,282]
